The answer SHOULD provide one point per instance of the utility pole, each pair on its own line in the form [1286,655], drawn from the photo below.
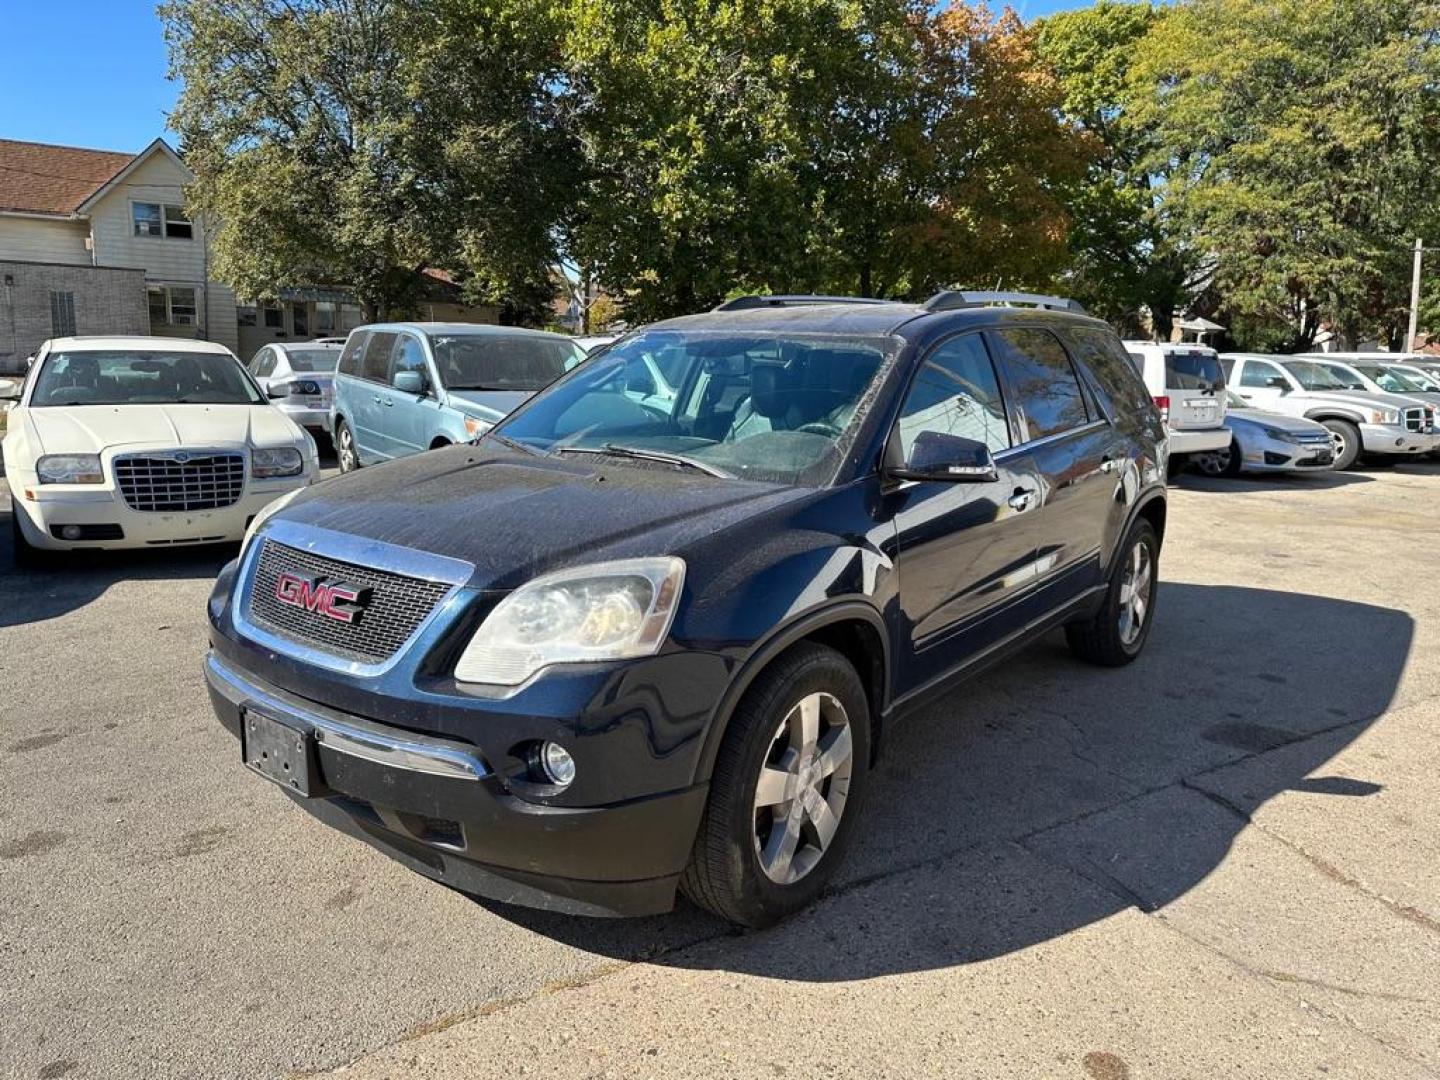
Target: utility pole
[1414,298]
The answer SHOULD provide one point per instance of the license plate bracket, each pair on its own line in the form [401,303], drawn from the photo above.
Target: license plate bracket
[279,752]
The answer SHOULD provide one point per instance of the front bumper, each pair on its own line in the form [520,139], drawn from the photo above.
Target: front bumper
[41,510]
[439,807]
[1198,440]
[1263,454]
[1388,439]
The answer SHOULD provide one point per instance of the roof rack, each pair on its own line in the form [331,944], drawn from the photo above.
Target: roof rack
[744,303]
[953,300]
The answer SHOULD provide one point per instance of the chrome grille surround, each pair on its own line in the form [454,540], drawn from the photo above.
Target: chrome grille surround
[412,579]
[180,481]
[1415,420]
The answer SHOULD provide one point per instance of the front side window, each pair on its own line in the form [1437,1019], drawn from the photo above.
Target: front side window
[1313,376]
[136,377]
[1047,390]
[498,361]
[955,392]
[1256,374]
[1347,377]
[409,356]
[147,218]
[763,406]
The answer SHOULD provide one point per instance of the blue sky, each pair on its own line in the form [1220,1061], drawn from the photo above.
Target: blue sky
[92,72]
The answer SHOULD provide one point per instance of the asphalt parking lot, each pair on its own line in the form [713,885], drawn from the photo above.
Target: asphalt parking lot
[1223,860]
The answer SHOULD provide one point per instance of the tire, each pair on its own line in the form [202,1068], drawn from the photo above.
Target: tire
[1176,465]
[345,450]
[1223,462]
[27,556]
[1348,450]
[1109,639]
[727,873]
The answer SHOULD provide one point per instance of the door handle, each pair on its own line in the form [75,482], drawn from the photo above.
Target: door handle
[382,400]
[1022,500]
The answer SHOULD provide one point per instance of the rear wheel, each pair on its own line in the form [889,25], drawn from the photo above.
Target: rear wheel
[1347,443]
[1223,462]
[345,451]
[1118,631]
[787,788]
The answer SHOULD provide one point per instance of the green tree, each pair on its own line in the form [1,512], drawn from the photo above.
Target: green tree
[1129,251]
[1299,138]
[357,141]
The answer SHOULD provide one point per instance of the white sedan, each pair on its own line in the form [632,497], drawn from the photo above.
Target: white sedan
[130,442]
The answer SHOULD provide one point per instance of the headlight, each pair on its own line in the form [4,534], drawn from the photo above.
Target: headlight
[605,611]
[1278,435]
[263,515]
[70,469]
[276,461]
[1384,416]
[475,428]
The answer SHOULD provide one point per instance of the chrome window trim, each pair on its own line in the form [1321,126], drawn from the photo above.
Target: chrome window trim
[352,735]
[352,549]
[1092,425]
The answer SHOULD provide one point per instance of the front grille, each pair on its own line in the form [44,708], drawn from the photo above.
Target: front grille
[1415,420]
[393,607]
[162,483]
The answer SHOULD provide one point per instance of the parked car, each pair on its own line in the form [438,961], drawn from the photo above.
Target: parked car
[401,388]
[1267,442]
[1360,420]
[1188,387]
[614,648]
[300,379]
[1378,378]
[125,442]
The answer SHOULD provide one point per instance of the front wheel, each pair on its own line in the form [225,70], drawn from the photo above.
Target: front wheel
[787,788]
[345,450]
[1117,632]
[1347,443]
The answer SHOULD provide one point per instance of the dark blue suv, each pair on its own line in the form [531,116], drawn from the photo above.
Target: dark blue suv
[649,632]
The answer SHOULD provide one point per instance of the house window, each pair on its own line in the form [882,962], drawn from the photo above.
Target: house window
[324,318]
[62,314]
[177,224]
[173,305]
[153,219]
[274,317]
[245,314]
[300,320]
[149,220]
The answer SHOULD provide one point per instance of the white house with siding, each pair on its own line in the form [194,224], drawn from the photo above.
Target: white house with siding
[95,242]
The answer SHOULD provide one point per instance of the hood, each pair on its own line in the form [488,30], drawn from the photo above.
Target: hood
[1362,399]
[89,429]
[488,405]
[1279,421]
[514,515]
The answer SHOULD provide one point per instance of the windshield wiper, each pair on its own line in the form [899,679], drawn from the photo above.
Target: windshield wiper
[503,441]
[480,386]
[642,454]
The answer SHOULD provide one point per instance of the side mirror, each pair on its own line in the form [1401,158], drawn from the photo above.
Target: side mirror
[10,389]
[277,390]
[948,459]
[409,382]
[1277,382]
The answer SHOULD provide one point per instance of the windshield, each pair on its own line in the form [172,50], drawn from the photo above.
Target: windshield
[1389,379]
[313,360]
[502,361]
[1314,377]
[758,406]
[1424,378]
[135,377]
[1193,371]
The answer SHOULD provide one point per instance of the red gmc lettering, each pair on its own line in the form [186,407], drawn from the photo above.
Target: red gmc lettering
[338,602]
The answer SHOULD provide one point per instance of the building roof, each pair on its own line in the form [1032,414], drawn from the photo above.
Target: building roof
[37,178]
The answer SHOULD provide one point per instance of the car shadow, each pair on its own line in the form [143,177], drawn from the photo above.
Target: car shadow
[1048,794]
[1191,480]
[77,579]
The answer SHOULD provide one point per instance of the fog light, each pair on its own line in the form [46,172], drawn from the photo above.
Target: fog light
[557,763]
[71,532]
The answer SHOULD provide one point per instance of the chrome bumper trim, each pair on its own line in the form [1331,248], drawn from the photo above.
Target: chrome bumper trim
[349,734]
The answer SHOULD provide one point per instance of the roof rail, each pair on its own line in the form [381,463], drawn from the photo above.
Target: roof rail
[744,303]
[953,300]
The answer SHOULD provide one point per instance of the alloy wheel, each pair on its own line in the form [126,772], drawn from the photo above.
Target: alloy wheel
[347,450]
[803,787]
[1213,463]
[1135,588]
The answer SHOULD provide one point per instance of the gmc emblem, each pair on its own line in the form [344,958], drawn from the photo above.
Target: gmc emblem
[334,600]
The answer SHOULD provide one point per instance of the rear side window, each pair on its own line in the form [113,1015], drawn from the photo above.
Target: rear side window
[350,355]
[1117,379]
[1193,371]
[1046,389]
[955,392]
[375,365]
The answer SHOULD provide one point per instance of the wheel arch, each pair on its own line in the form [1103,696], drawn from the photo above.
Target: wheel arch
[853,628]
[1324,412]
[440,441]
